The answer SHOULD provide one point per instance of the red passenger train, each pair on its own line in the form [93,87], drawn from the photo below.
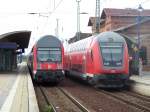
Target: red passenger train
[46,60]
[101,60]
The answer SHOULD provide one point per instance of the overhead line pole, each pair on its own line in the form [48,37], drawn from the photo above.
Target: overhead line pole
[57,27]
[97,16]
[78,19]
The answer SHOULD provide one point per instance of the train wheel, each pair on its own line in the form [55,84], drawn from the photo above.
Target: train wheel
[90,81]
[67,73]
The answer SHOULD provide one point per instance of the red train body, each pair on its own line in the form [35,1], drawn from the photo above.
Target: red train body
[101,60]
[46,60]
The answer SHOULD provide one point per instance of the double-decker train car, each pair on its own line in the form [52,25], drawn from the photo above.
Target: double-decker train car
[46,60]
[101,60]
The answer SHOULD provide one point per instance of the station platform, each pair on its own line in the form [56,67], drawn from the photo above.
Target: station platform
[141,83]
[16,91]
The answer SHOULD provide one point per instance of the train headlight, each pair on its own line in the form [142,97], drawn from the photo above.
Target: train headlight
[49,66]
[63,71]
[34,72]
[59,66]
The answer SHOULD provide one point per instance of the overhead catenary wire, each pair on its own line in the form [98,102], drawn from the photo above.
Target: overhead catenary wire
[50,13]
[57,6]
[141,3]
[144,2]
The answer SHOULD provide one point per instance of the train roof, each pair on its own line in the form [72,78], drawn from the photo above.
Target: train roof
[48,41]
[102,37]
[110,36]
[81,43]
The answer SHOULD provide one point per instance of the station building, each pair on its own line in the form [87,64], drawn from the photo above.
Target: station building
[12,45]
[126,22]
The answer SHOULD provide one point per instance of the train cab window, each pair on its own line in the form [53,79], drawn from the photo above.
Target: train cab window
[81,46]
[112,54]
[77,48]
[85,43]
[71,49]
[49,54]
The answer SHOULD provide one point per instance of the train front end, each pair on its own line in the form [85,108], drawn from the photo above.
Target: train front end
[114,62]
[48,60]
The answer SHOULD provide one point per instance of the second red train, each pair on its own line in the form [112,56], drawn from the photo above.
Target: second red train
[101,60]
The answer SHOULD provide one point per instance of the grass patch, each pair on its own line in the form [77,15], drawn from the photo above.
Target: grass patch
[48,108]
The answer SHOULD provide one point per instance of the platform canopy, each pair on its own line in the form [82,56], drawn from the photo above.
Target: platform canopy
[21,38]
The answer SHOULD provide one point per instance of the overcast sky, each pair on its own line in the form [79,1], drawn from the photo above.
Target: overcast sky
[13,15]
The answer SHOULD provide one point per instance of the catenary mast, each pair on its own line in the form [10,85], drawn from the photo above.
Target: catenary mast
[97,16]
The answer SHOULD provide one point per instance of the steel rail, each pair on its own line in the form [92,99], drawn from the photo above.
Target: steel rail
[146,98]
[143,108]
[78,104]
[46,99]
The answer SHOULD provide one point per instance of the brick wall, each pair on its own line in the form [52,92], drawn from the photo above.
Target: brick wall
[114,22]
[144,35]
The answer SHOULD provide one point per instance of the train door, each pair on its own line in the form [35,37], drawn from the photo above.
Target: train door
[84,64]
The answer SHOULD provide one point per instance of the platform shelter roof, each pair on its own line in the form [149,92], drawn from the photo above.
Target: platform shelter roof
[21,38]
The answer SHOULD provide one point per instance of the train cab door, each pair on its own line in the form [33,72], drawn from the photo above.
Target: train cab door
[84,64]
[69,67]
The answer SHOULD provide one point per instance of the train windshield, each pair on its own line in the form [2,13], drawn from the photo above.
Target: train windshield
[112,54]
[49,54]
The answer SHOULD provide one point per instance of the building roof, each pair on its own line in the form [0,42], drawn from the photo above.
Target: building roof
[119,12]
[91,21]
[82,36]
[21,38]
[124,12]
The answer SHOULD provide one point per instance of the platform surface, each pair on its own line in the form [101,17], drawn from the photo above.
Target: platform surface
[141,83]
[144,77]
[17,92]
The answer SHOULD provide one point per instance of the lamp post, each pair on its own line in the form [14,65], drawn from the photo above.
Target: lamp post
[140,9]
[78,19]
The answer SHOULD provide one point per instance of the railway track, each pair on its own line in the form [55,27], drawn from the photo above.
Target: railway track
[60,100]
[75,101]
[91,97]
[132,99]
[142,97]
[46,100]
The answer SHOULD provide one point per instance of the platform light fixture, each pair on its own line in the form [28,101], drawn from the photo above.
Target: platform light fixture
[140,9]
